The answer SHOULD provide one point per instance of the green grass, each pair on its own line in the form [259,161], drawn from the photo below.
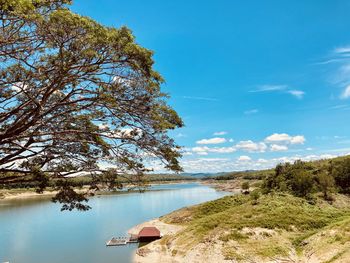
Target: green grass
[233,235]
[273,212]
[290,220]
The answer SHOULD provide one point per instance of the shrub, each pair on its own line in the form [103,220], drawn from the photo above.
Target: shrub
[302,183]
[340,170]
[326,184]
[245,187]
[255,195]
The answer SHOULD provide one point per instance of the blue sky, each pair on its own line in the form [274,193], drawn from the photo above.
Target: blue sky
[256,82]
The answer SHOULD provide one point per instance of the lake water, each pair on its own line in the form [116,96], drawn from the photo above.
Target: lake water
[36,231]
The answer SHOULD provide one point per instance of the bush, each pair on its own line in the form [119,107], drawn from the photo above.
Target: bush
[295,178]
[340,170]
[245,187]
[326,184]
[302,183]
[255,195]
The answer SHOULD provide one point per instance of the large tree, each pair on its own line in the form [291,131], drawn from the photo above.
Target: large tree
[76,96]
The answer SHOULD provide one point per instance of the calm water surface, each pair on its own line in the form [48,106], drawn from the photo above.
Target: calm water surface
[35,231]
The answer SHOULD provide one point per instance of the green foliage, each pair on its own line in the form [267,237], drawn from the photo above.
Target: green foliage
[302,179]
[296,178]
[246,175]
[255,195]
[245,185]
[340,170]
[272,212]
[302,183]
[75,94]
[326,184]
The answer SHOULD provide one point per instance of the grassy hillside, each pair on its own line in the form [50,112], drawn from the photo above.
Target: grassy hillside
[276,226]
[301,213]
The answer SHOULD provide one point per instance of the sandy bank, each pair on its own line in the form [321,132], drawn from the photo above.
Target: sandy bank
[14,194]
[233,186]
[25,195]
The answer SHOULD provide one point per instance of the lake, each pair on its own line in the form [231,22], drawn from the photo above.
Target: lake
[36,231]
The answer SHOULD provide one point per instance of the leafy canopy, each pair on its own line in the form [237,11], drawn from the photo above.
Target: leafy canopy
[76,96]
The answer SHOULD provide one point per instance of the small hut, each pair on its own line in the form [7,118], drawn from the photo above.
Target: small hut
[148,234]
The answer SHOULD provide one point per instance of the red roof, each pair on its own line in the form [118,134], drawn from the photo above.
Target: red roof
[149,232]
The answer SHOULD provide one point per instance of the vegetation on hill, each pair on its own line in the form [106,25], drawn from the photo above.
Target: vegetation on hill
[301,213]
[246,175]
[305,178]
[278,225]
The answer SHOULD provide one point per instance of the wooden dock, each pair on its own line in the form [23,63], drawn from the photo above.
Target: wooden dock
[121,241]
[117,241]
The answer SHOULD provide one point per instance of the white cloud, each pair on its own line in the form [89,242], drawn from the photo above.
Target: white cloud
[327,156]
[215,140]
[299,139]
[336,107]
[19,87]
[278,148]
[204,149]
[126,133]
[103,126]
[285,138]
[122,80]
[249,112]
[222,149]
[280,88]
[243,162]
[275,142]
[277,137]
[268,87]
[219,133]
[346,93]
[297,93]
[251,146]
[342,50]
[244,158]
[340,77]
[231,140]
[200,149]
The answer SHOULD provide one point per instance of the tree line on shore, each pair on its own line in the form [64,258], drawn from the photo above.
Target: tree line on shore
[302,179]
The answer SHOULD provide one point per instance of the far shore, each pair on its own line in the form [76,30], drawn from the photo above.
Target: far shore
[22,194]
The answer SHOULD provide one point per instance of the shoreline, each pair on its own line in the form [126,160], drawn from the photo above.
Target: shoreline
[6,196]
[19,194]
[232,186]
[158,250]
